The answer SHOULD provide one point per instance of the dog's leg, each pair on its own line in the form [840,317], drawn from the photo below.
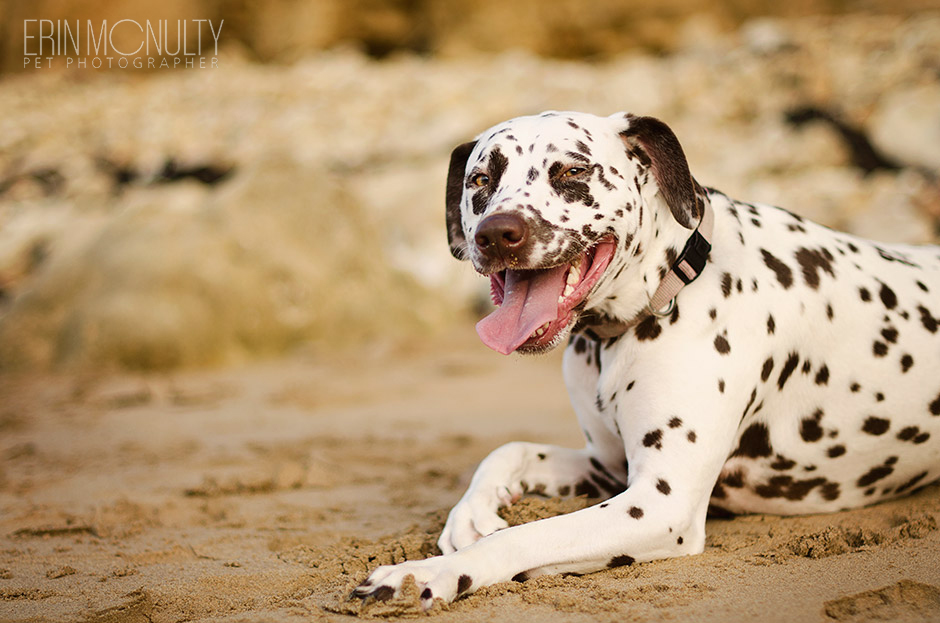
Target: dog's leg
[515,469]
[675,443]
[598,469]
[637,525]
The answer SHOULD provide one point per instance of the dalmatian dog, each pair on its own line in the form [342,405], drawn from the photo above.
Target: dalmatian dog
[720,355]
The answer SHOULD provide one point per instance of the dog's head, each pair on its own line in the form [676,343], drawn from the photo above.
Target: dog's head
[550,207]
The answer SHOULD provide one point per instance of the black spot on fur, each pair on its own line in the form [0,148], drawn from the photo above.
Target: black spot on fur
[910,483]
[427,594]
[888,297]
[750,402]
[781,270]
[767,369]
[721,386]
[822,377]
[864,294]
[580,345]
[789,488]
[648,329]
[734,479]
[880,349]
[926,318]
[636,512]
[610,487]
[810,430]
[755,442]
[497,166]
[464,582]
[906,362]
[586,488]
[836,451]
[675,422]
[830,491]
[691,436]
[654,439]
[876,426]
[726,284]
[908,433]
[788,367]
[663,487]
[719,493]
[877,473]
[812,261]
[570,189]
[771,325]
[935,406]
[722,345]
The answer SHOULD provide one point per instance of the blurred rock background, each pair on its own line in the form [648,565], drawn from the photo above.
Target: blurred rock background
[292,198]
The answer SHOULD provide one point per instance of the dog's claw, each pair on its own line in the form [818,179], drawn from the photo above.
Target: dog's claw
[364,592]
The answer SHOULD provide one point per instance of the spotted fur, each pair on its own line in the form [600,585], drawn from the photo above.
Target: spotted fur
[800,373]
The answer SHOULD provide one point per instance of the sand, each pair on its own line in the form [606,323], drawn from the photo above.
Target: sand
[266,493]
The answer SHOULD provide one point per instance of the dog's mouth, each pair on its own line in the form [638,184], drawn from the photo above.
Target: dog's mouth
[537,306]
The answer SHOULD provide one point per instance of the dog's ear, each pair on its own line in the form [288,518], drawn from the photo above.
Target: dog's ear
[455,174]
[654,143]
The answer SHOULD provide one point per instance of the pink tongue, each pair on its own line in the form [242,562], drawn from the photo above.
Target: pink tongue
[530,300]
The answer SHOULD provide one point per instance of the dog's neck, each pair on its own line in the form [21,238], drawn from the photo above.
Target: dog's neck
[673,257]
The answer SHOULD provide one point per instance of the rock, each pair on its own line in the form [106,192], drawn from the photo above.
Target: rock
[906,125]
[209,217]
[183,276]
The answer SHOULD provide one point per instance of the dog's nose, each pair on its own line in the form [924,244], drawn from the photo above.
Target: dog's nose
[501,234]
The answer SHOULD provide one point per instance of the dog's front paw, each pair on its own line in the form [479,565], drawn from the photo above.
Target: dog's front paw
[474,517]
[434,578]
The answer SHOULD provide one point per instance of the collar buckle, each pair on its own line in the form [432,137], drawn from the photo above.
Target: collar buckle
[691,261]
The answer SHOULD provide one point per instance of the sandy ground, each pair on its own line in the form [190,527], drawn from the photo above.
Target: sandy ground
[266,493]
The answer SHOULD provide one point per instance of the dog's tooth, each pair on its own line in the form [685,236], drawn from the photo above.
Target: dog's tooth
[574,276]
[568,290]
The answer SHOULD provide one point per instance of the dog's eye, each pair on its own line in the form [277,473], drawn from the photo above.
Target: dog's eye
[574,171]
[480,179]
